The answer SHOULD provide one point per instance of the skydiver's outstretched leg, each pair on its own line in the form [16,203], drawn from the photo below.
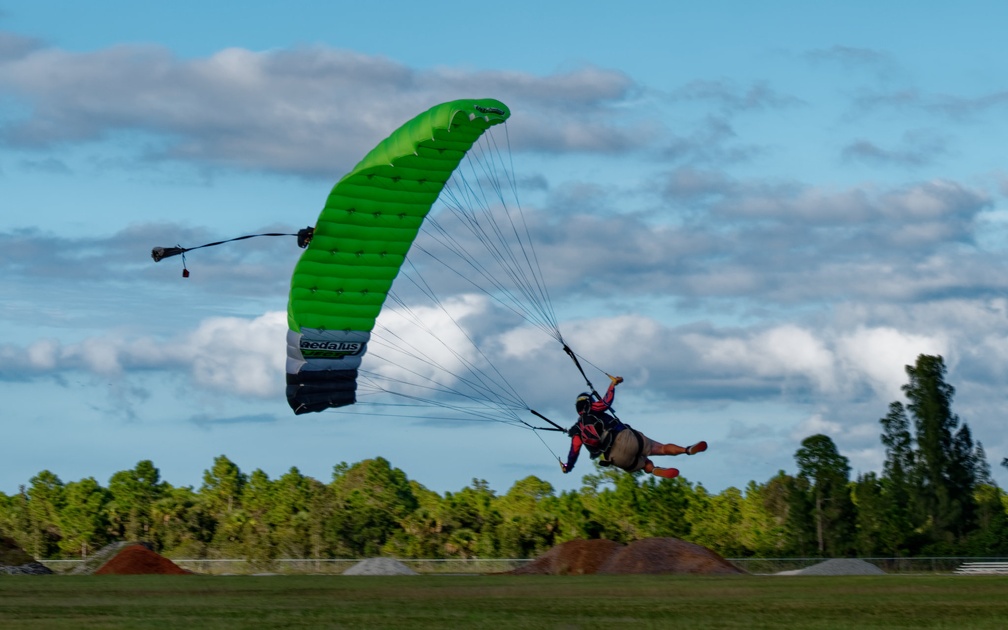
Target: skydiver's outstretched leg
[667,473]
[675,449]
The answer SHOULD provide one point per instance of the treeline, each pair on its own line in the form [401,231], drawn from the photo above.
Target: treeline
[934,496]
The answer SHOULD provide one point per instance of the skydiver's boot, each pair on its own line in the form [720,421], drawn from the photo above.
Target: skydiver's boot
[666,473]
[699,447]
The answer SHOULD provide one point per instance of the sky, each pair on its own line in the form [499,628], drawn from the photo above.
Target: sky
[757,213]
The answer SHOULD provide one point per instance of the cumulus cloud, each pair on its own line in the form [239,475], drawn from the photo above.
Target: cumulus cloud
[419,347]
[241,357]
[880,354]
[311,111]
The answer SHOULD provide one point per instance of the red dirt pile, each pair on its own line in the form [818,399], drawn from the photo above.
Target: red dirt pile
[139,560]
[650,555]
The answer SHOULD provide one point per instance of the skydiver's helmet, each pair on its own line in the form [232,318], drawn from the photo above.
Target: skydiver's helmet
[583,403]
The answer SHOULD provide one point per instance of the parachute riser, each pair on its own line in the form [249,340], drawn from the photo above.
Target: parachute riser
[591,387]
[555,427]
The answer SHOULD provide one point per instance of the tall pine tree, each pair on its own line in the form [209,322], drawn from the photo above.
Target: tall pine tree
[899,482]
[945,458]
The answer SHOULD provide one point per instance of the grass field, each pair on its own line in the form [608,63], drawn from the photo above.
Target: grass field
[197,602]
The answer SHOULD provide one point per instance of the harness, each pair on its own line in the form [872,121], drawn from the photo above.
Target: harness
[598,434]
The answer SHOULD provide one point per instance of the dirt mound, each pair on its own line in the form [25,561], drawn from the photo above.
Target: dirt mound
[575,557]
[139,560]
[650,555]
[666,555]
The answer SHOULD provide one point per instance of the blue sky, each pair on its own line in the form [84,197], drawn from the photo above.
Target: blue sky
[757,214]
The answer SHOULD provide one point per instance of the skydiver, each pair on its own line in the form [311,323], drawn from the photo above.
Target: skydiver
[615,443]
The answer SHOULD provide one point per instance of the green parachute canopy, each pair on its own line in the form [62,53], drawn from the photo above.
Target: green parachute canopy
[360,242]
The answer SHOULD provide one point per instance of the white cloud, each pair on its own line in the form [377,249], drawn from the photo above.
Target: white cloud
[244,357]
[307,110]
[785,352]
[879,355]
[42,355]
[424,345]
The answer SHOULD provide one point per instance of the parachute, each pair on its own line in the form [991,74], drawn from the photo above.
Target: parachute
[441,189]
[360,242]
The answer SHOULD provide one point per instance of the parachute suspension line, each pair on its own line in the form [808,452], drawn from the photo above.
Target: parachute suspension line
[461,198]
[494,248]
[512,303]
[505,390]
[502,295]
[483,382]
[534,262]
[426,402]
[487,412]
[535,287]
[498,389]
[497,245]
[548,448]
[485,407]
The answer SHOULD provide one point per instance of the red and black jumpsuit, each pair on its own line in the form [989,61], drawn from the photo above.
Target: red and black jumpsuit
[585,431]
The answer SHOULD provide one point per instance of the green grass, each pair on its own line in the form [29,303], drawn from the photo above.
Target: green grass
[499,602]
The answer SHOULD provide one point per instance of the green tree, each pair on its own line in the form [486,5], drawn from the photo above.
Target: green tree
[828,473]
[716,521]
[666,503]
[184,527]
[945,454]
[469,520]
[873,515]
[133,495]
[614,502]
[374,500]
[528,519]
[899,512]
[222,487]
[84,518]
[257,500]
[788,509]
[990,538]
[288,514]
[762,533]
[426,528]
[45,501]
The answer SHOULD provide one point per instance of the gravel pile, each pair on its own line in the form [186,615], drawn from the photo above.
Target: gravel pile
[840,566]
[379,566]
[100,557]
[29,568]
[15,561]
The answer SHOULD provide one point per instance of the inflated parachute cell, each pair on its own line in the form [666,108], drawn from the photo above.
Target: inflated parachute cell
[361,239]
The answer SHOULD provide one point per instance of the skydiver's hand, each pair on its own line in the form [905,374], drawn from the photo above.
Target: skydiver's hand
[616,380]
[563,467]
